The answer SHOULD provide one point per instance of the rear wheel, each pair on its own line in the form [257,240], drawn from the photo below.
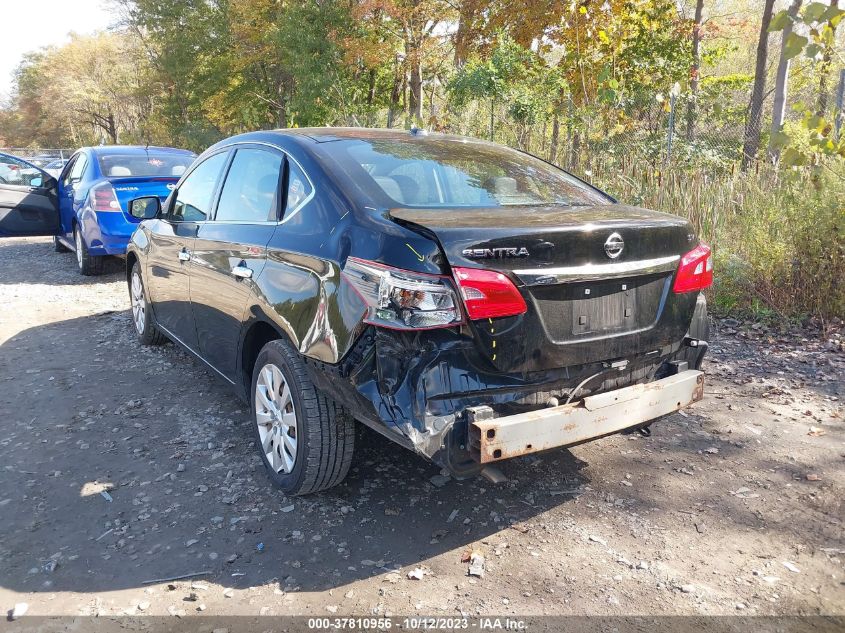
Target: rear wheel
[58,246]
[305,440]
[88,264]
[142,316]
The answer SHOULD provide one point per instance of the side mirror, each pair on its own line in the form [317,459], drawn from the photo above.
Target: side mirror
[36,182]
[145,208]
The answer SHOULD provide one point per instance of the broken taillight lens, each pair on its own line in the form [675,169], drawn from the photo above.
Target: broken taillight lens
[488,294]
[695,272]
[103,198]
[403,299]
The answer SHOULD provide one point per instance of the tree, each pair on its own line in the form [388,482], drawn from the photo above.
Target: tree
[815,138]
[753,123]
[782,78]
[91,89]
[695,68]
[829,30]
[509,73]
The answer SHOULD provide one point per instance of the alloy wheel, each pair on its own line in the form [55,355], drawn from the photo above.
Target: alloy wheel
[77,235]
[138,305]
[275,415]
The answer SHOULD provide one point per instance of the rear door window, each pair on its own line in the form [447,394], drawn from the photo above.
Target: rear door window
[251,191]
[77,169]
[299,189]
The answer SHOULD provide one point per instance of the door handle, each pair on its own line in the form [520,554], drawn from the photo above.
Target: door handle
[184,255]
[242,271]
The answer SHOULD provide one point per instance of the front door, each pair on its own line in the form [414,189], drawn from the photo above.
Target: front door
[29,203]
[230,251]
[171,248]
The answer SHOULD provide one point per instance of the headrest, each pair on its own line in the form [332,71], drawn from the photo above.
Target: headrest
[119,170]
[390,187]
[504,186]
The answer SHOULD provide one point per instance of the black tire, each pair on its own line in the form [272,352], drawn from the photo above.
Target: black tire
[149,334]
[89,265]
[325,433]
[59,246]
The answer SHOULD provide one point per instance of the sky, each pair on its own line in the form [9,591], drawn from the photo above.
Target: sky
[44,22]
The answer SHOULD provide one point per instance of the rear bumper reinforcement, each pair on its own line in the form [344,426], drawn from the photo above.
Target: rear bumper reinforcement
[492,439]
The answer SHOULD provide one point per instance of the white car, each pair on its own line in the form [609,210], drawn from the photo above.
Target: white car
[10,173]
[55,167]
[16,171]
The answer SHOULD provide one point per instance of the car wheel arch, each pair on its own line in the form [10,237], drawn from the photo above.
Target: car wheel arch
[131,258]
[255,336]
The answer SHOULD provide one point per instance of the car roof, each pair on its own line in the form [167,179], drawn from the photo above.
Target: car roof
[136,149]
[326,134]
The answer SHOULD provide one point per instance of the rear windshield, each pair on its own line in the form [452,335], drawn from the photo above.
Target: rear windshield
[144,164]
[441,173]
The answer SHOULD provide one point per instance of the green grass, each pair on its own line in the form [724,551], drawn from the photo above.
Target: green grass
[778,235]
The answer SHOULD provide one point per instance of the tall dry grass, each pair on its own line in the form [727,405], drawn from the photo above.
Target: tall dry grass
[778,234]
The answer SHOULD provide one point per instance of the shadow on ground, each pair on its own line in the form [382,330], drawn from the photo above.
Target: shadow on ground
[84,408]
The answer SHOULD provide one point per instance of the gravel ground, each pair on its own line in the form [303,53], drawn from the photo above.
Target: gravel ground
[123,465]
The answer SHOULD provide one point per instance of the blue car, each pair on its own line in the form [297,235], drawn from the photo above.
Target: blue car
[85,208]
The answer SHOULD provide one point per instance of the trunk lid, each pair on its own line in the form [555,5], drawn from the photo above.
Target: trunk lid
[597,280]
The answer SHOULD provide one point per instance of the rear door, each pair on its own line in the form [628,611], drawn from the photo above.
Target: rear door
[171,247]
[29,203]
[230,251]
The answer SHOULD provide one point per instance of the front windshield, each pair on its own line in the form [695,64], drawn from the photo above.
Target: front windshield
[445,173]
[150,163]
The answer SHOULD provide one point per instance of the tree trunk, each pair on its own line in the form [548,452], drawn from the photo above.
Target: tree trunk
[781,85]
[575,160]
[415,86]
[555,137]
[111,129]
[371,87]
[825,71]
[394,94]
[694,70]
[755,111]
[281,110]
[460,41]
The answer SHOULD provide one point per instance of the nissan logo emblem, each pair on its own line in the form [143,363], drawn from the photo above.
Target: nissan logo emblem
[613,245]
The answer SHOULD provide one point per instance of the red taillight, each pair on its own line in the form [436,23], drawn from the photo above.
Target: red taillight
[695,272]
[488,294]
[103,198]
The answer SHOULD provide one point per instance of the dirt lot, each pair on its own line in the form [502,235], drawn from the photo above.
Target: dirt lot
[734,506]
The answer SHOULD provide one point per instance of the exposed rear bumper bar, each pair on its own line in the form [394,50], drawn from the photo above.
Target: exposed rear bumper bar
[492,439]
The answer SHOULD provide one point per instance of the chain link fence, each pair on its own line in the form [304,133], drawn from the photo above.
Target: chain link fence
[38,152]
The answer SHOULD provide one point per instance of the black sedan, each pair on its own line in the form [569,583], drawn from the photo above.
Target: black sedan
[468,301]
